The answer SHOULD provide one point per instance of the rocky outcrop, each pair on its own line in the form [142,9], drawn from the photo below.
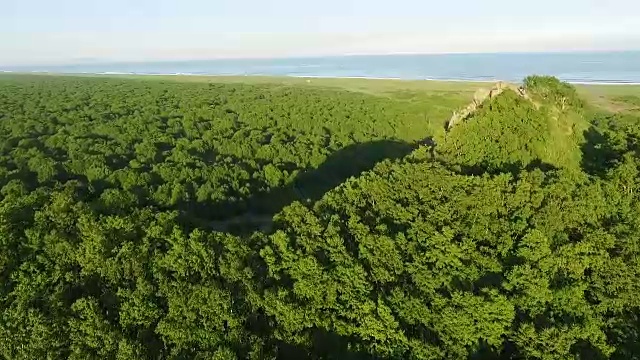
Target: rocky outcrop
[482,95]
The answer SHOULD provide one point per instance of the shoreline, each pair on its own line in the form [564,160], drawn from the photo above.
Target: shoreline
[274,76]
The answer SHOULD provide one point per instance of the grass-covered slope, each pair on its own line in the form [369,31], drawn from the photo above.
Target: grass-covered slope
[517,235]
[512,132]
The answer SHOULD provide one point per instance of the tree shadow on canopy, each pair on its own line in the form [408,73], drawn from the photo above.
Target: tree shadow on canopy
[309,186]
[598,152]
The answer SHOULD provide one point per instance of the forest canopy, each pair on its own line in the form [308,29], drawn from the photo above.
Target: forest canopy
[144,219]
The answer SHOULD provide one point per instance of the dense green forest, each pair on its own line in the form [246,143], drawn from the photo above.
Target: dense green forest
[149,219]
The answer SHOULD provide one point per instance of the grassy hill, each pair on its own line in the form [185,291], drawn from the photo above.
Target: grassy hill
[511,132]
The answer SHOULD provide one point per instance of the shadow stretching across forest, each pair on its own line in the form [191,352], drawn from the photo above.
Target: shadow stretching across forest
[598,154]
[309,186]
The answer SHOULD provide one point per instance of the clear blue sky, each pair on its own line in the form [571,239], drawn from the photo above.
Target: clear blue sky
[66,31]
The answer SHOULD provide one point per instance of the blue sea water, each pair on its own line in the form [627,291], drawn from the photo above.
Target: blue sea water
[577,67]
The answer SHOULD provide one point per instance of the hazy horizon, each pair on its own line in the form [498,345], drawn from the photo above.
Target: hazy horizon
[38,32]
[98,61]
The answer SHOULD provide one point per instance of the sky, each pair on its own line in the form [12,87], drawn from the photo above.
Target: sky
[75,31]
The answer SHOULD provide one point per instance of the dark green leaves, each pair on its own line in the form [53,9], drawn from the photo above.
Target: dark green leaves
[129,210]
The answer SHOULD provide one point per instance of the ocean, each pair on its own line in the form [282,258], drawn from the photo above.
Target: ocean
[574,67]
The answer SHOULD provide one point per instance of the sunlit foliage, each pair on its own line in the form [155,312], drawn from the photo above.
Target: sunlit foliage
[507,237]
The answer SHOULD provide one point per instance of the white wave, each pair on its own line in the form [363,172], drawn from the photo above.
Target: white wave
[115,73]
